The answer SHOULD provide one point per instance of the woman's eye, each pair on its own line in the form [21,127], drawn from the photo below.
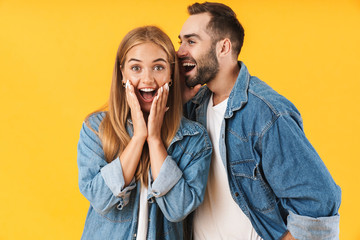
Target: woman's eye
[158,68]
[135,68]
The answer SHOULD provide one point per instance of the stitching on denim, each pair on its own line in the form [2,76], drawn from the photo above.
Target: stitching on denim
[293,114]
[244,139]
[265,130]
[244,197]
[262,184]
[275,118]
[267,189]
[265,101]
[206,148]
[232,165]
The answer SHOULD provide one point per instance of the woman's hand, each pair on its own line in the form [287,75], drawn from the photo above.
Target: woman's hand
[137,117]
[130,157]
[157,112]
[157,149]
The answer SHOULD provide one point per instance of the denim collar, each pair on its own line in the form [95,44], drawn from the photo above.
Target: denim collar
[238,96]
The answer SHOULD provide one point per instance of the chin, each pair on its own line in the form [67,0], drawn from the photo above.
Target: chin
[191,82]
[146,109]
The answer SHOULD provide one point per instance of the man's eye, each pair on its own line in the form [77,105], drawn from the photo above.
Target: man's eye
[158,68]
[191,42]
[135,68]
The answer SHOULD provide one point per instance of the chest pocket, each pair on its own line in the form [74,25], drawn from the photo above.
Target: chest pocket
[257,193]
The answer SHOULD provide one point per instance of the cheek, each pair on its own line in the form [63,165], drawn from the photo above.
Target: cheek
[134,80]
[163,78]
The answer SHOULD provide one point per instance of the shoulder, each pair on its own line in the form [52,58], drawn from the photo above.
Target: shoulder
[192,134]
[189,127]
[94,120]
[264,97]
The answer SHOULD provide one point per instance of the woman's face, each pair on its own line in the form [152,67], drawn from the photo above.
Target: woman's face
[147,68]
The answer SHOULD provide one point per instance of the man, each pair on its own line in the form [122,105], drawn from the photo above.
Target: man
[266,180]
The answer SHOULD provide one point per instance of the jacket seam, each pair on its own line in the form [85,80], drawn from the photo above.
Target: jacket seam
[265,101]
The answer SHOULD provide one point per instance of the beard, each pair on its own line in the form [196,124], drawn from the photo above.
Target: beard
[207,68]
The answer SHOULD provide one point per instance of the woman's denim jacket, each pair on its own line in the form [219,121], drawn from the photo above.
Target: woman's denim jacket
[176,192]
[275,175]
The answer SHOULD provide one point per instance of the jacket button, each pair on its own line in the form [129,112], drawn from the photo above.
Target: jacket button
[236,194]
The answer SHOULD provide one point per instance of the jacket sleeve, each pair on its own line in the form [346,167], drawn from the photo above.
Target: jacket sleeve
[300,180]
[180,185]
[101,183]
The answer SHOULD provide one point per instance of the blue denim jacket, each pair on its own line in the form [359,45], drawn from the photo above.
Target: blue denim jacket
[275,175]
[176,192]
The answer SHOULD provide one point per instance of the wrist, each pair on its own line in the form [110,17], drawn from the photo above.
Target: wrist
[154,141]
[139,138]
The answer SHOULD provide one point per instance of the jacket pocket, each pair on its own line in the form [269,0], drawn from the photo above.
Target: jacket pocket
[257,193]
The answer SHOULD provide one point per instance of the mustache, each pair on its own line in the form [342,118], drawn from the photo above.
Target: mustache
[187,58]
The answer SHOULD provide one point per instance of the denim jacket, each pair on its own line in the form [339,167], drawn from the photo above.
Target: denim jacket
[275,175]
[176,192]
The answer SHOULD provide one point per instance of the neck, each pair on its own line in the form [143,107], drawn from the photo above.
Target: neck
[224,81]
[146,116]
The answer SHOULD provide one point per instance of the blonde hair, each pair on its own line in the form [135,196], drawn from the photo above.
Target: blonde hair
[112,130]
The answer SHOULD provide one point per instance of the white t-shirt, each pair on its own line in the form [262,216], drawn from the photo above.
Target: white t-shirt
[143,214]
[219,217]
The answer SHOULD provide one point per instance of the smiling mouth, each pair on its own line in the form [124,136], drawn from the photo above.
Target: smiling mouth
[188,66]
[147,94]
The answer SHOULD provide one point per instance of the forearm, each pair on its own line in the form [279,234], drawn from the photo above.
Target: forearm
[130,158]
[157,153]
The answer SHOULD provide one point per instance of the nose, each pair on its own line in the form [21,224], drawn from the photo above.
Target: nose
[182,52]
[148,76]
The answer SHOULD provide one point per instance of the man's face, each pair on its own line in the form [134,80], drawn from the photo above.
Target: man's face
[197,52]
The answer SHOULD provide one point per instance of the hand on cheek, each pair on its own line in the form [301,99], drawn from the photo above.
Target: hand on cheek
[137,116]
[157,112]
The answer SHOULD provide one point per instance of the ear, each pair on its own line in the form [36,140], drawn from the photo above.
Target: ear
[121,69]
[224,47]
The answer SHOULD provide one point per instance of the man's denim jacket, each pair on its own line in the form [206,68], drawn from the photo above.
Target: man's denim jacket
[275,175]
[176,192]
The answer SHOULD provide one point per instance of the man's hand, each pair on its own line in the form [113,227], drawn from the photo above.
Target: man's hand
[288,236]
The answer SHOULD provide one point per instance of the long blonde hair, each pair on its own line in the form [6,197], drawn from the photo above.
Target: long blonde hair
[112,130]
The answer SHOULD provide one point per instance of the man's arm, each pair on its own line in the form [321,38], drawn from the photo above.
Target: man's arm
[300,180]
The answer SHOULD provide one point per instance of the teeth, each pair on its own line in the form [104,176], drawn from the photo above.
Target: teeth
[189,64]
[146,89]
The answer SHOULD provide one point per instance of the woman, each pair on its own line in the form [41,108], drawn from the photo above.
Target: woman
[142,166]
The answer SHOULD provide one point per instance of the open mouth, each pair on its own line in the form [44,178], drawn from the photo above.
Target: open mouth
[147,94]
[188,66]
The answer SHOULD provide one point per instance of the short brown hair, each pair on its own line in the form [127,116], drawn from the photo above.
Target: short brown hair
[223,23]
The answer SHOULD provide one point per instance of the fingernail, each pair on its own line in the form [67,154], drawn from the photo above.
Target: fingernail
[161,89]
[167,86]
[157,97]
[166,109]
[127,84]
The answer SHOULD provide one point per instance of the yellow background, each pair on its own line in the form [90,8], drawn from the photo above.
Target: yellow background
[56,60]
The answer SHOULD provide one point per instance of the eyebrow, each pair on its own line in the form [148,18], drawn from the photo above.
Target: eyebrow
[186,36]
[160,59]
[156,60]
[134,59]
